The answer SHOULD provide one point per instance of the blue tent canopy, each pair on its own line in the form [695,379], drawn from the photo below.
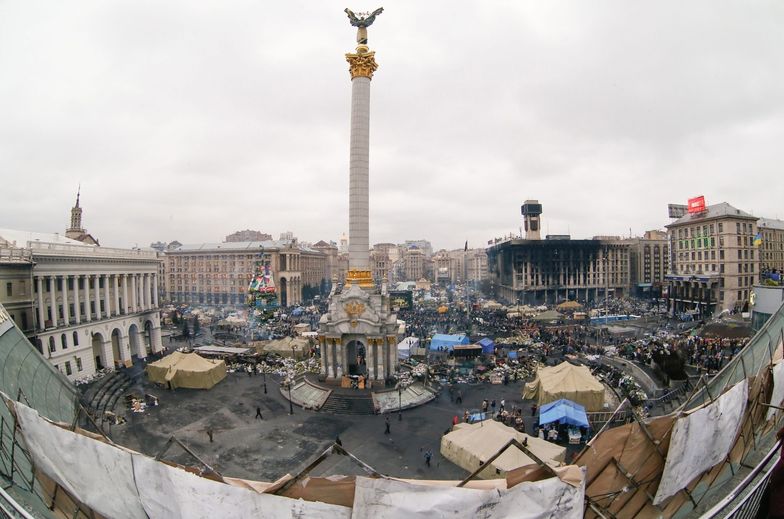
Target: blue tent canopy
[488,345]
[564,412]
[447,342]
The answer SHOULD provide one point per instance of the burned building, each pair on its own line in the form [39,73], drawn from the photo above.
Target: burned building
[550,271]
[533,271]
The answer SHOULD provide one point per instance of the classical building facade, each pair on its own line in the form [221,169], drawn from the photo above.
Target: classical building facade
[219,273]
[84,307]
[714,262]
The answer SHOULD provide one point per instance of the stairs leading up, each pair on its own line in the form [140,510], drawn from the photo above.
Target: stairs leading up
[349,404]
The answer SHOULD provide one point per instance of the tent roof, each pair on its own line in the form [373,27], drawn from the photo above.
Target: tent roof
[447,341]
[486,438]
[564,411]
[569,305]
[185,361]
[549,315]
[568,377]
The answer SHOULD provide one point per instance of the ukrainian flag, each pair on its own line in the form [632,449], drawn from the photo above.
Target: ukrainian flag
[758,239]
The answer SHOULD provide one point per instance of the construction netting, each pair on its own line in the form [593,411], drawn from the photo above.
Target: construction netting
[667,466]
[28,377]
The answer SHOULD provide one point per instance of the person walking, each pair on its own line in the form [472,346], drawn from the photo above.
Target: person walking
[338,441]
[492,406]
[258,414]
[459,399]
[210,433]
[386,425]
[534,408]
[503,406]
[428,456]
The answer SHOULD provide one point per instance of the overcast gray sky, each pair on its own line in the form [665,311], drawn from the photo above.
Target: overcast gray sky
[189,120]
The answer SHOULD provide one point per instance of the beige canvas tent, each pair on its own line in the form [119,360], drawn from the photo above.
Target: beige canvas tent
[298,347]
[469,445]
[568,381]
[187,370]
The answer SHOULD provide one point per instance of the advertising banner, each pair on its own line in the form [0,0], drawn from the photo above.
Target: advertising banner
[696,205]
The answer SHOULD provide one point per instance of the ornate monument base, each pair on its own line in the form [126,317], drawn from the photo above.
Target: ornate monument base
[358,335]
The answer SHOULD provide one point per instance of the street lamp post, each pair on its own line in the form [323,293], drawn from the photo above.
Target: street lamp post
[399,403]
[291,406]
[264,374]
[291,379]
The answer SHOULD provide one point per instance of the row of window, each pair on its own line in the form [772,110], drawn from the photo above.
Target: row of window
[709,229]
[67,365]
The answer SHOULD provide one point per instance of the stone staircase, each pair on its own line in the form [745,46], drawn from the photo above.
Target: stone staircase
[348,404]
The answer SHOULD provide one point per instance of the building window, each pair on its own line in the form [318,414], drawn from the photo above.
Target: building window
[52,347]
[76,339]
[78,364]
[721,227]
[64,341]
[9,289]
[68,368]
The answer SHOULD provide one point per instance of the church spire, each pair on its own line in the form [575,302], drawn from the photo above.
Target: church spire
[76,217]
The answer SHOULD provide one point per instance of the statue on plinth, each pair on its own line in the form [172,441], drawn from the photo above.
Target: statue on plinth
[362,22]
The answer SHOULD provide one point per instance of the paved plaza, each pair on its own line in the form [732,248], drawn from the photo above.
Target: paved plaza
[266,449]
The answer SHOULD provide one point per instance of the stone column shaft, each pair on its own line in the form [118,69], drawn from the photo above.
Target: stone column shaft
[87,314]
[41,313]
[97,297]
[125,293]
[155,291]
[66,307]
[77,310]
[359,168]
[133,293]
[107,306]
[116,286]
[53,302]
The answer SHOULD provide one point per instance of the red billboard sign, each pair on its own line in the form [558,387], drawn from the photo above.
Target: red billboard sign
[696,205]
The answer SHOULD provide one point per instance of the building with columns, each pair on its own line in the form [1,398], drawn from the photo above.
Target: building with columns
[219,273]
[87,307]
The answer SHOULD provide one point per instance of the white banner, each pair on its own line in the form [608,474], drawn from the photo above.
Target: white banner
[702,440]
[392,499]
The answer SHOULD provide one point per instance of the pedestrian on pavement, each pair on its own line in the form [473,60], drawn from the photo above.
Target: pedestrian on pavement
[503,406]
[428,456]
[338,441]
[258,413]
[534,408]
[492,406]
[459,399]
[209,433]
[386,425]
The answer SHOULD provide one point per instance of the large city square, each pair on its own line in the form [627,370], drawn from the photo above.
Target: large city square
[341,312]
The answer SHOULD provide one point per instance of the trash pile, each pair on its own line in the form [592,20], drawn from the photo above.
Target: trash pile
[276,365]
[87,379]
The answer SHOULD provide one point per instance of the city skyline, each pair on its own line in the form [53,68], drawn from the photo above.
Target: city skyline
[187,123]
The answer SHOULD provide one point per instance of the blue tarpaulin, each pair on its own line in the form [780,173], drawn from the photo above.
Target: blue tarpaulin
[488,346]
[442,341]
[512,354]
[564,412]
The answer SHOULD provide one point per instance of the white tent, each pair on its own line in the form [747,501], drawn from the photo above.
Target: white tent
[468,445]
[575,383]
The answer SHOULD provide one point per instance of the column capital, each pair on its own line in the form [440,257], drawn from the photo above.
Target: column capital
[362,64]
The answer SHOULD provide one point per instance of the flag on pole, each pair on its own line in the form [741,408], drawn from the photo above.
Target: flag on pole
[758,239]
